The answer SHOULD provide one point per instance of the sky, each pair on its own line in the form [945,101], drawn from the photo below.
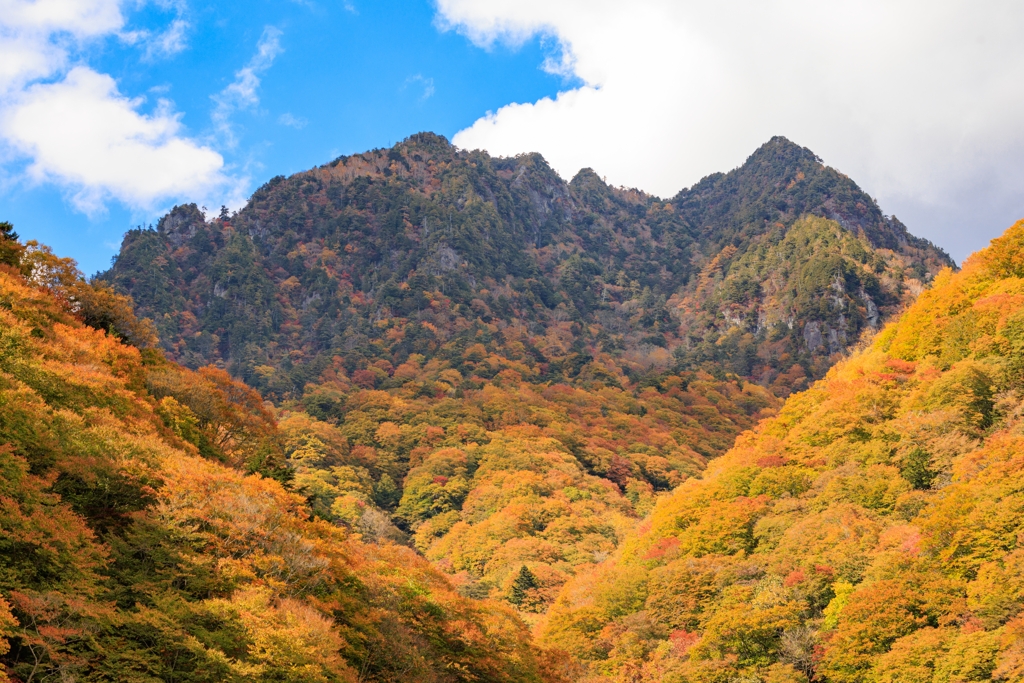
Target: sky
[112,111]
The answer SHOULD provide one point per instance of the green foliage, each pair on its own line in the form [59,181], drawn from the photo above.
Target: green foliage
[10,249]
[521,587]
[801,295]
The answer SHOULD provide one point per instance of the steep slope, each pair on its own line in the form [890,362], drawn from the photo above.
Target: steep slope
[412,249]
[508,367]
[135,546]
[872,531]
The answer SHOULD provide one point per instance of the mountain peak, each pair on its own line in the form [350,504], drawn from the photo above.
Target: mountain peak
[427,139]
[782,148]
[780,182]
[419,297]
[586,177]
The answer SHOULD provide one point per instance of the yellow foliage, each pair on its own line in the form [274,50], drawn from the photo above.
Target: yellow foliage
[289,640]
[871,531]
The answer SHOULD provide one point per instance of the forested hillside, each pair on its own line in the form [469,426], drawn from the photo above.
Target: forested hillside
[145,534]
[872,531]
[766,273]
[493,449]
[505,369]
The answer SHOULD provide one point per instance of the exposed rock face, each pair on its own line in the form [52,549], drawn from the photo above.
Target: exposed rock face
[179,226]
[812,335]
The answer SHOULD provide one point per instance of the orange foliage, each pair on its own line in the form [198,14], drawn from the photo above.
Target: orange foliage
[127,555]
[870,531]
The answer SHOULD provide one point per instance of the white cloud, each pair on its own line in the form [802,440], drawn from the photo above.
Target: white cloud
[242,93]
[85,135]
[81,18]
[920,101]
[34,35]
[73,127]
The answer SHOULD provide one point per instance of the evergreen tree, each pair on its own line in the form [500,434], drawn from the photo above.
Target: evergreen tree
[526,581]
[10,249]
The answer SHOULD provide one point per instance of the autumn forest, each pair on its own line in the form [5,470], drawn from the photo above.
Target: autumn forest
[424,414]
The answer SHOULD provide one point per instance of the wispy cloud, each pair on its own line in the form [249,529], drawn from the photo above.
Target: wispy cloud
[159,45]
[346,5]
[170,42]
[426,83]
[242,93]
[292,121]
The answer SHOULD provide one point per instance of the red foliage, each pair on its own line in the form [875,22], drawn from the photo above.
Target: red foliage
[433,435]
[771,461]
[902,366]
[659,549]
[364,378]
[795,577]
[682,641]
[619,470]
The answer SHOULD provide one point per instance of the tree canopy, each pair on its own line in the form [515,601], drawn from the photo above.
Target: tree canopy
[871,531]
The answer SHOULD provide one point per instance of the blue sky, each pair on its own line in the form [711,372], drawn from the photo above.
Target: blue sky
[112,111]
[345,79]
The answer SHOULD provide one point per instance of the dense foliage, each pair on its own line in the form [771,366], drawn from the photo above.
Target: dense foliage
[488,479]
[426,249]
[144,535]
[502,369]
[872,531]
[501,403]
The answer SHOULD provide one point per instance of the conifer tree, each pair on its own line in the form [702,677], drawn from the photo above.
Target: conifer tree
[525,582]
[10,249]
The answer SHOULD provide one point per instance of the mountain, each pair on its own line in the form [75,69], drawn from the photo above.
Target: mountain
[508,368]
[872,531]
[518,430]
[768,272]
[145,535]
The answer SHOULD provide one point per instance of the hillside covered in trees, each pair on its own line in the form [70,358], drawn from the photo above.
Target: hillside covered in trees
[505,370]
[147,531]
[872,531]
[869,532]
[492,445]
[767,273]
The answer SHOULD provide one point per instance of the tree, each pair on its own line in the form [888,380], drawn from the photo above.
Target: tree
[524,583]
[10,248]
